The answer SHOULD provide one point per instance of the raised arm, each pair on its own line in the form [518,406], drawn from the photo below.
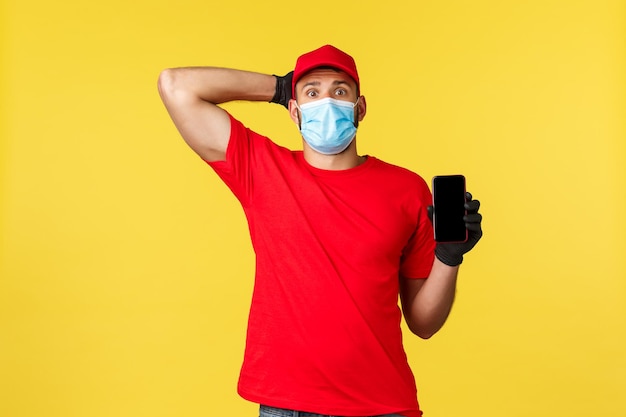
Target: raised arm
[191,96]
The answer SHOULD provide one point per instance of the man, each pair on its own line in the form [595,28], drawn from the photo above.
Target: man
[337,237]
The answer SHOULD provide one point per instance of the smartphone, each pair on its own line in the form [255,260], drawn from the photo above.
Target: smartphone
[449,208]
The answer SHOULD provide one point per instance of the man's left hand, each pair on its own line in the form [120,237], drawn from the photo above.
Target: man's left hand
[452,253]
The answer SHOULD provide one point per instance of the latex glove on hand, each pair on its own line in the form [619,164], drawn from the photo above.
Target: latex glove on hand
[451,254]
[283,90]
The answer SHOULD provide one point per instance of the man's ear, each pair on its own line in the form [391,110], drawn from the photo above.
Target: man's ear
[294,112]
[362,108]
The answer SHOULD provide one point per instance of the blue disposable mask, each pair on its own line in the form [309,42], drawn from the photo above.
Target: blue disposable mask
[327,125]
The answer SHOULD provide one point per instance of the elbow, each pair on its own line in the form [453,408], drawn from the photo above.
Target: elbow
[423,334]
[166,82]
[173,89]
[422,331]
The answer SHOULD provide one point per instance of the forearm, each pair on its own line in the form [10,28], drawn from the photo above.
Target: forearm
[218,85]
[429,307]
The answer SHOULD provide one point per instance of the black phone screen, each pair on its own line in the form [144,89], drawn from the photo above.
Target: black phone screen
[449,208]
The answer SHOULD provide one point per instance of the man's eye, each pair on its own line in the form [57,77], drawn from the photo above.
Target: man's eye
[340,92]
[311,93]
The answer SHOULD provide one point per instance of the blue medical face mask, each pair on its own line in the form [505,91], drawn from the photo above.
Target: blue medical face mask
[327,125]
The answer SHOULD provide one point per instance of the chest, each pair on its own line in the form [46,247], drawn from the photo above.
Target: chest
[365,219]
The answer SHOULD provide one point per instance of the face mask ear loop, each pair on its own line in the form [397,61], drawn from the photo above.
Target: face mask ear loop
[356,116]
[299,116]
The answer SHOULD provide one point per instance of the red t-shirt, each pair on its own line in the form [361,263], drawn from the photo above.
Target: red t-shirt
[324,326]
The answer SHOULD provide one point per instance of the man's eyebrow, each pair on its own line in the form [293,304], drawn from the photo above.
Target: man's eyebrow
[340,82]
[313,83]
[317,83]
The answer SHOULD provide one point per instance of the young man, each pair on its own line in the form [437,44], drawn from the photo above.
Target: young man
[337,237]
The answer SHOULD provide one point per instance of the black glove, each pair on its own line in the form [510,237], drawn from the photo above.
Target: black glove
[452,253]
[283,90]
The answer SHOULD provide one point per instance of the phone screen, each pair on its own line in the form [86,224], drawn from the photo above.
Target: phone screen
[449,208]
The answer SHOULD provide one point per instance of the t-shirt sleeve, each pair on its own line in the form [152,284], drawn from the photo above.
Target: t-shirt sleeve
[236,169]
[419,254]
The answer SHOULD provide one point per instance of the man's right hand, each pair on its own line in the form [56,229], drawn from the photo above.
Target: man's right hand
[283,89]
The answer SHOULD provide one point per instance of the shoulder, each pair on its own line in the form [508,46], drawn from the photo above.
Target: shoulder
[239,132]
[399,174]
[247,150]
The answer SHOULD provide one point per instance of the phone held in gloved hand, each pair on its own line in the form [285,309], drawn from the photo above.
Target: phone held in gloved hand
[449,208]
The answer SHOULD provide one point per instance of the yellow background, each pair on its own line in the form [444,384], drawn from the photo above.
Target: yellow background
[125,266]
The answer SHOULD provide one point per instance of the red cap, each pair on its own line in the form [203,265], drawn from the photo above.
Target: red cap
[326,56]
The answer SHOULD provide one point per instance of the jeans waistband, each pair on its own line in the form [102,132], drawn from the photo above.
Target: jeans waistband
[267,411]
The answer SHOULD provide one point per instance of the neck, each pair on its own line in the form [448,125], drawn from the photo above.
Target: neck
[344,160]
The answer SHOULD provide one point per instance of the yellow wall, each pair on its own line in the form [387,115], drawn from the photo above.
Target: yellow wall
[126,270]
